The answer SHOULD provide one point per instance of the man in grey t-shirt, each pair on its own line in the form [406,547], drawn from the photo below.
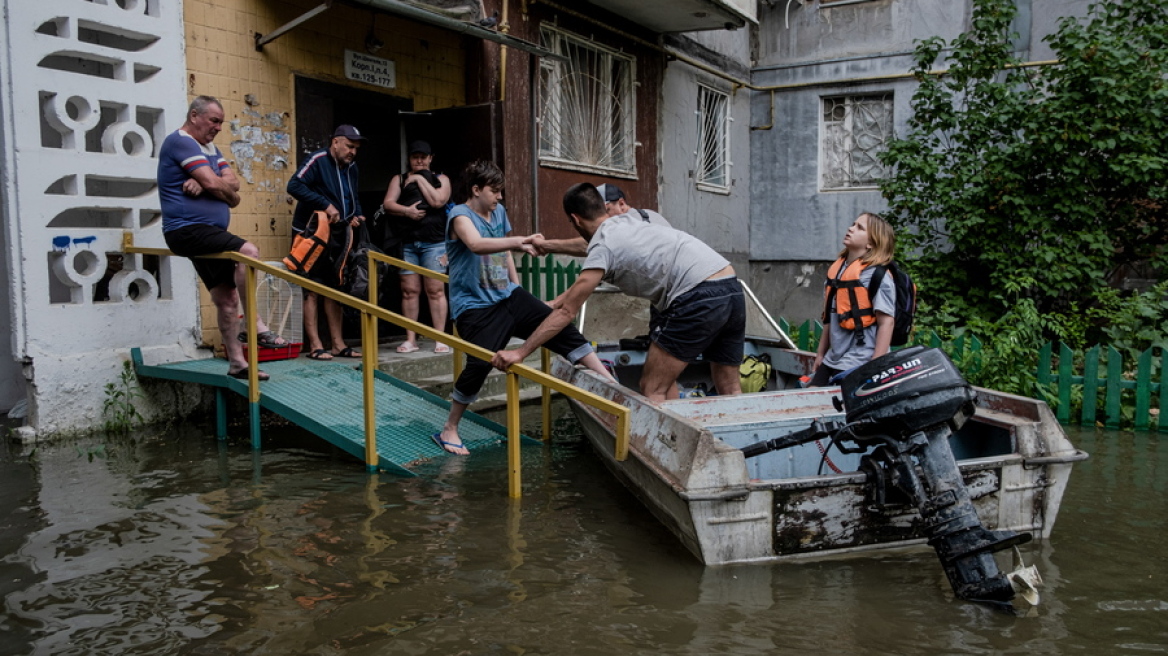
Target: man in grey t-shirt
[700,307]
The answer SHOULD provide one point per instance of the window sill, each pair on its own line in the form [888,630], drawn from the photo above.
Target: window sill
[586,168]
[830,190]
[713,189]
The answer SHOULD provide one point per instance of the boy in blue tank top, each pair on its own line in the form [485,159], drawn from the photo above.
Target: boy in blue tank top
[487,303]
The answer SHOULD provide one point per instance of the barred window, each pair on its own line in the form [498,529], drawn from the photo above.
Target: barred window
[587,115]
[855,130]
[713,166]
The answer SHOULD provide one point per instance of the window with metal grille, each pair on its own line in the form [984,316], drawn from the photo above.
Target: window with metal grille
[587,115]
[713,166]
[854,131]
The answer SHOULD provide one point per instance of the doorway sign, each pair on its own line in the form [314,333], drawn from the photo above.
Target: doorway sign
[370,70]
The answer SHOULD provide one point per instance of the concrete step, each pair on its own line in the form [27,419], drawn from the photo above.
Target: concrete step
[433,372]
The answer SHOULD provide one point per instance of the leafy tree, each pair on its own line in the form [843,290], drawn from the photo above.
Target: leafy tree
[1023,191]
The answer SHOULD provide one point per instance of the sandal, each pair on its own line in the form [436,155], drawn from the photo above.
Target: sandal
[319,354]
[347,352]
[242,374]
[441,348]
[407,347]
[267,339]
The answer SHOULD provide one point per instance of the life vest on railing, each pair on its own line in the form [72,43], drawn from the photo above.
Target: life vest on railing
[852,302]
[308,245]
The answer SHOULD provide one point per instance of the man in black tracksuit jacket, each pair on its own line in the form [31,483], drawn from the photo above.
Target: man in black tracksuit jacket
[327,182]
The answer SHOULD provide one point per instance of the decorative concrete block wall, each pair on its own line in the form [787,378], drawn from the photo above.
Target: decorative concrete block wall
[89,90]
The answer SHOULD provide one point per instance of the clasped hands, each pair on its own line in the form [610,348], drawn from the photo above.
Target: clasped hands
[535,245]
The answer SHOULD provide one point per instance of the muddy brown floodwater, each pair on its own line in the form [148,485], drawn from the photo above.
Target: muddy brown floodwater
[174,543]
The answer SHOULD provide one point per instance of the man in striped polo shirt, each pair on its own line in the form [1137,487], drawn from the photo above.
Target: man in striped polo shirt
[198,189]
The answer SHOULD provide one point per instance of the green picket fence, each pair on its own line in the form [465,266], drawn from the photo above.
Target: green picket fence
[544,277]
[1080,378]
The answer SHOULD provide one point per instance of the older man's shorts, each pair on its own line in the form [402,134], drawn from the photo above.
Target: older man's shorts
[206,239]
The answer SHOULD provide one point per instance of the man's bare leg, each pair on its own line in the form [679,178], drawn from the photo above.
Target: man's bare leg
[249,249]
[659,379]
[332,312]
[311,327]
[727,378]
[226,300]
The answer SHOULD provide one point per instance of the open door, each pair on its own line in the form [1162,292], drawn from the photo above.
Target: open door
[458,136]
[320,107]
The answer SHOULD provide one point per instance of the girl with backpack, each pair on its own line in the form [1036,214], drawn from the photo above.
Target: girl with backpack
[857,327]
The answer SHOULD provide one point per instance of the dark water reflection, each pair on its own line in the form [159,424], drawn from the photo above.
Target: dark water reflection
[176,544]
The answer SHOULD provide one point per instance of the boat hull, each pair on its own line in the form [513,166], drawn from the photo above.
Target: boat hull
[686,465]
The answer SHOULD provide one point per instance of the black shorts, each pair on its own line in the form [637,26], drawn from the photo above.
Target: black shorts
[708,320]
[206,239]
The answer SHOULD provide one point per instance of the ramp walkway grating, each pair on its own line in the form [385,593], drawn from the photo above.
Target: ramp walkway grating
[325,397]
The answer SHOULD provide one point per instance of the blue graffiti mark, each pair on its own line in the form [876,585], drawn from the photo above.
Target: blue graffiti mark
[85,240]
[60,243]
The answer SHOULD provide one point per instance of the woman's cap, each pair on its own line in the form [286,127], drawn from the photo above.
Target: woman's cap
[420,146]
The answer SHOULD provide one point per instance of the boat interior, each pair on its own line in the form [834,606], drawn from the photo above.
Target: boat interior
[784,407]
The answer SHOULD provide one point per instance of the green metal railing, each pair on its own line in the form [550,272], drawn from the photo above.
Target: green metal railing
[370,314]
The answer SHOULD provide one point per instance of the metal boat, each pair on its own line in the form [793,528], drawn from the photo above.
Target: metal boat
[770,475]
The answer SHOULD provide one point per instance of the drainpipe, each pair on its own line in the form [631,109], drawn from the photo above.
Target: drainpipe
[533,113]
[505,28]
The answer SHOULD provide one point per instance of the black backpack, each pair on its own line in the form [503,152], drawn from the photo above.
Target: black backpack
[355,280]
[906,300]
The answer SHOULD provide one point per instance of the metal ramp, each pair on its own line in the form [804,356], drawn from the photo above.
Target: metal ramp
[325,397]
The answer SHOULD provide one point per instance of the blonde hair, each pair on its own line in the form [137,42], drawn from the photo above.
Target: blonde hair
[881,239]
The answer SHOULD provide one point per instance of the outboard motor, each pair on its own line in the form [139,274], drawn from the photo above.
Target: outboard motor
[909,402]
[912,400]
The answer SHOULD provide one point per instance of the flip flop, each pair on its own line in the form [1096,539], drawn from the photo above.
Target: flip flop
[242,375]
[442,444]
[441,348]
[347,352]
[407,347]
[319,354]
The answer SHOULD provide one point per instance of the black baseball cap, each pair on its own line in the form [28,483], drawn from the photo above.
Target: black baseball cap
[349,132]
[420,146]
[610,192]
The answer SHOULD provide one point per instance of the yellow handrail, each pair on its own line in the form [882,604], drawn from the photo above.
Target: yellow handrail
[370,313]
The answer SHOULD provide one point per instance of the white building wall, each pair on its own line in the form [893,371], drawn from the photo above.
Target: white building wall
[719,218]
[89,91]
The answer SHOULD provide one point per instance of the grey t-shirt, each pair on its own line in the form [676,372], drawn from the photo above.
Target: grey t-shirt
[648,260]
[843,353]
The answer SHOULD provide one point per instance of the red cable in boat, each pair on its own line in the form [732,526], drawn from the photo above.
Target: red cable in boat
[826,458]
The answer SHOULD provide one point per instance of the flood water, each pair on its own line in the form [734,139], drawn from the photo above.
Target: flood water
[174,543]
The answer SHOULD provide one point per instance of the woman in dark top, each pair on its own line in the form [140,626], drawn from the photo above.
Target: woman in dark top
[417,202]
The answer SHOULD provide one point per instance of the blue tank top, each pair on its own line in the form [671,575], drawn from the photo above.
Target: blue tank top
[477,281]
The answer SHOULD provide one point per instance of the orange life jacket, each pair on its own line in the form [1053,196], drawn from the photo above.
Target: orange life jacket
[852,303]
[309,244]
